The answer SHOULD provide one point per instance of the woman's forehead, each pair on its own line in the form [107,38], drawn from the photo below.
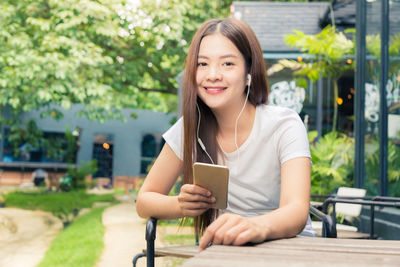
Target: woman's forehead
[217,45]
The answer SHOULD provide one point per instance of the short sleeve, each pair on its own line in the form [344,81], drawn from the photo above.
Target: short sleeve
[174,138]
[291,137]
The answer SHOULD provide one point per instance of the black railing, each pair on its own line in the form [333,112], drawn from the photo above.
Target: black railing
[371,201]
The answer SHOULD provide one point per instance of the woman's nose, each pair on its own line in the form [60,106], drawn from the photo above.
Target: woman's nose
[214,73]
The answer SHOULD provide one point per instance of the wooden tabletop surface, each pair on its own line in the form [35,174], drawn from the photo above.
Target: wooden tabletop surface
[302,251]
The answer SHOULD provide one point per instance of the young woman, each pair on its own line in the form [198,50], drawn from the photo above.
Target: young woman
[226,121]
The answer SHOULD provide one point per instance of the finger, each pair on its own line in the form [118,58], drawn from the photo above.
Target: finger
[231,234]
[205,241]
[220,234]
[187,197]
[196,189]
[243,238]
[210,232]
[196,193]
[199,198]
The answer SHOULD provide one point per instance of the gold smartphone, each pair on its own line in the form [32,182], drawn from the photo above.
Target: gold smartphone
[214,178]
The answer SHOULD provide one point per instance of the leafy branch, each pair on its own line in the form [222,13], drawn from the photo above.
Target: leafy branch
[330,55]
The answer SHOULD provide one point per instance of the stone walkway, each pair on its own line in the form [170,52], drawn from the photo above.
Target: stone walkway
[25,236]
[124,236]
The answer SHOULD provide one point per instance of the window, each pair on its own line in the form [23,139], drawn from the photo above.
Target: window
[150,148]
[52,147]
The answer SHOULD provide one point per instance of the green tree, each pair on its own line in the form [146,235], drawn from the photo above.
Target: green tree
[104,55]
[156,37]
[52,56]
[330,56]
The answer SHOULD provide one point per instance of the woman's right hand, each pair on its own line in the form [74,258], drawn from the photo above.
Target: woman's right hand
[194,200]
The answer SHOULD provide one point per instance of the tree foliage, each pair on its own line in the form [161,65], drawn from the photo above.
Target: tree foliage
[333,164]
[333,160]
[156,38]
[52,56]
[330,56]
[104,55]
[373,43]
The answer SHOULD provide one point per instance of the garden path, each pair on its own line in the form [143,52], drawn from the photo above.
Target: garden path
[124,236]
[25,236]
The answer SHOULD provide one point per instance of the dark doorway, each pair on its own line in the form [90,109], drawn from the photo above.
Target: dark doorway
[346,103]
[103,153]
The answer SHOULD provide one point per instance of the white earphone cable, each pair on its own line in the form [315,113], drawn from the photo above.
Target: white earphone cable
[237,119]
[197,135]
[236,124]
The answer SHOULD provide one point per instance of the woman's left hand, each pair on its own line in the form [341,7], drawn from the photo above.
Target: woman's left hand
[232,229]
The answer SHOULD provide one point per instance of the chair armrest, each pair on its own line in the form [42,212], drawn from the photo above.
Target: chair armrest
[383,198]
[387,202]
[328,225]
[394,203]
[151,228]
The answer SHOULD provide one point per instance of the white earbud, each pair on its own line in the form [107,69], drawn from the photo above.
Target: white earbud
[249,80]
[236,123]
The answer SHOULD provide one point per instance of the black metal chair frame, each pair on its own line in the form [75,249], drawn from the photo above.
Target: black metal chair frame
[379,201]
[151,228]
[328,230]
[328,225]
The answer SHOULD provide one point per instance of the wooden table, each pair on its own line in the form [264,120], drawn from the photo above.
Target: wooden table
[302,251]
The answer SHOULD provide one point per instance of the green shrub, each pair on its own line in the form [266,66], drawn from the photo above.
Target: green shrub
[333,160]
[63,205]
[333,164]
[55,202]
[372,164]
[75,177]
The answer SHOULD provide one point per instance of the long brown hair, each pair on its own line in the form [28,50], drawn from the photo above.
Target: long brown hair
[241,35]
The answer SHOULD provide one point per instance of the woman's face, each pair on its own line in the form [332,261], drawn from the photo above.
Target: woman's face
[221,73]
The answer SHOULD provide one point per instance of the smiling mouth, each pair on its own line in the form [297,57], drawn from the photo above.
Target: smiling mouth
[215,89]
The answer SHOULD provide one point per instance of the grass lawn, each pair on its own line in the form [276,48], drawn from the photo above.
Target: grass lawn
[54,202]
[80,244]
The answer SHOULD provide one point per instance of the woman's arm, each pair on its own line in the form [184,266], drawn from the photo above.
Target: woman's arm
[291,216]
[153,199]
[286,221]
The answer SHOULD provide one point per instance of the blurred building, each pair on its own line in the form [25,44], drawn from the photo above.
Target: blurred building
[120,148]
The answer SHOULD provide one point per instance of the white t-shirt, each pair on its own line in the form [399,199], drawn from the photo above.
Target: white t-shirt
[278,135]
